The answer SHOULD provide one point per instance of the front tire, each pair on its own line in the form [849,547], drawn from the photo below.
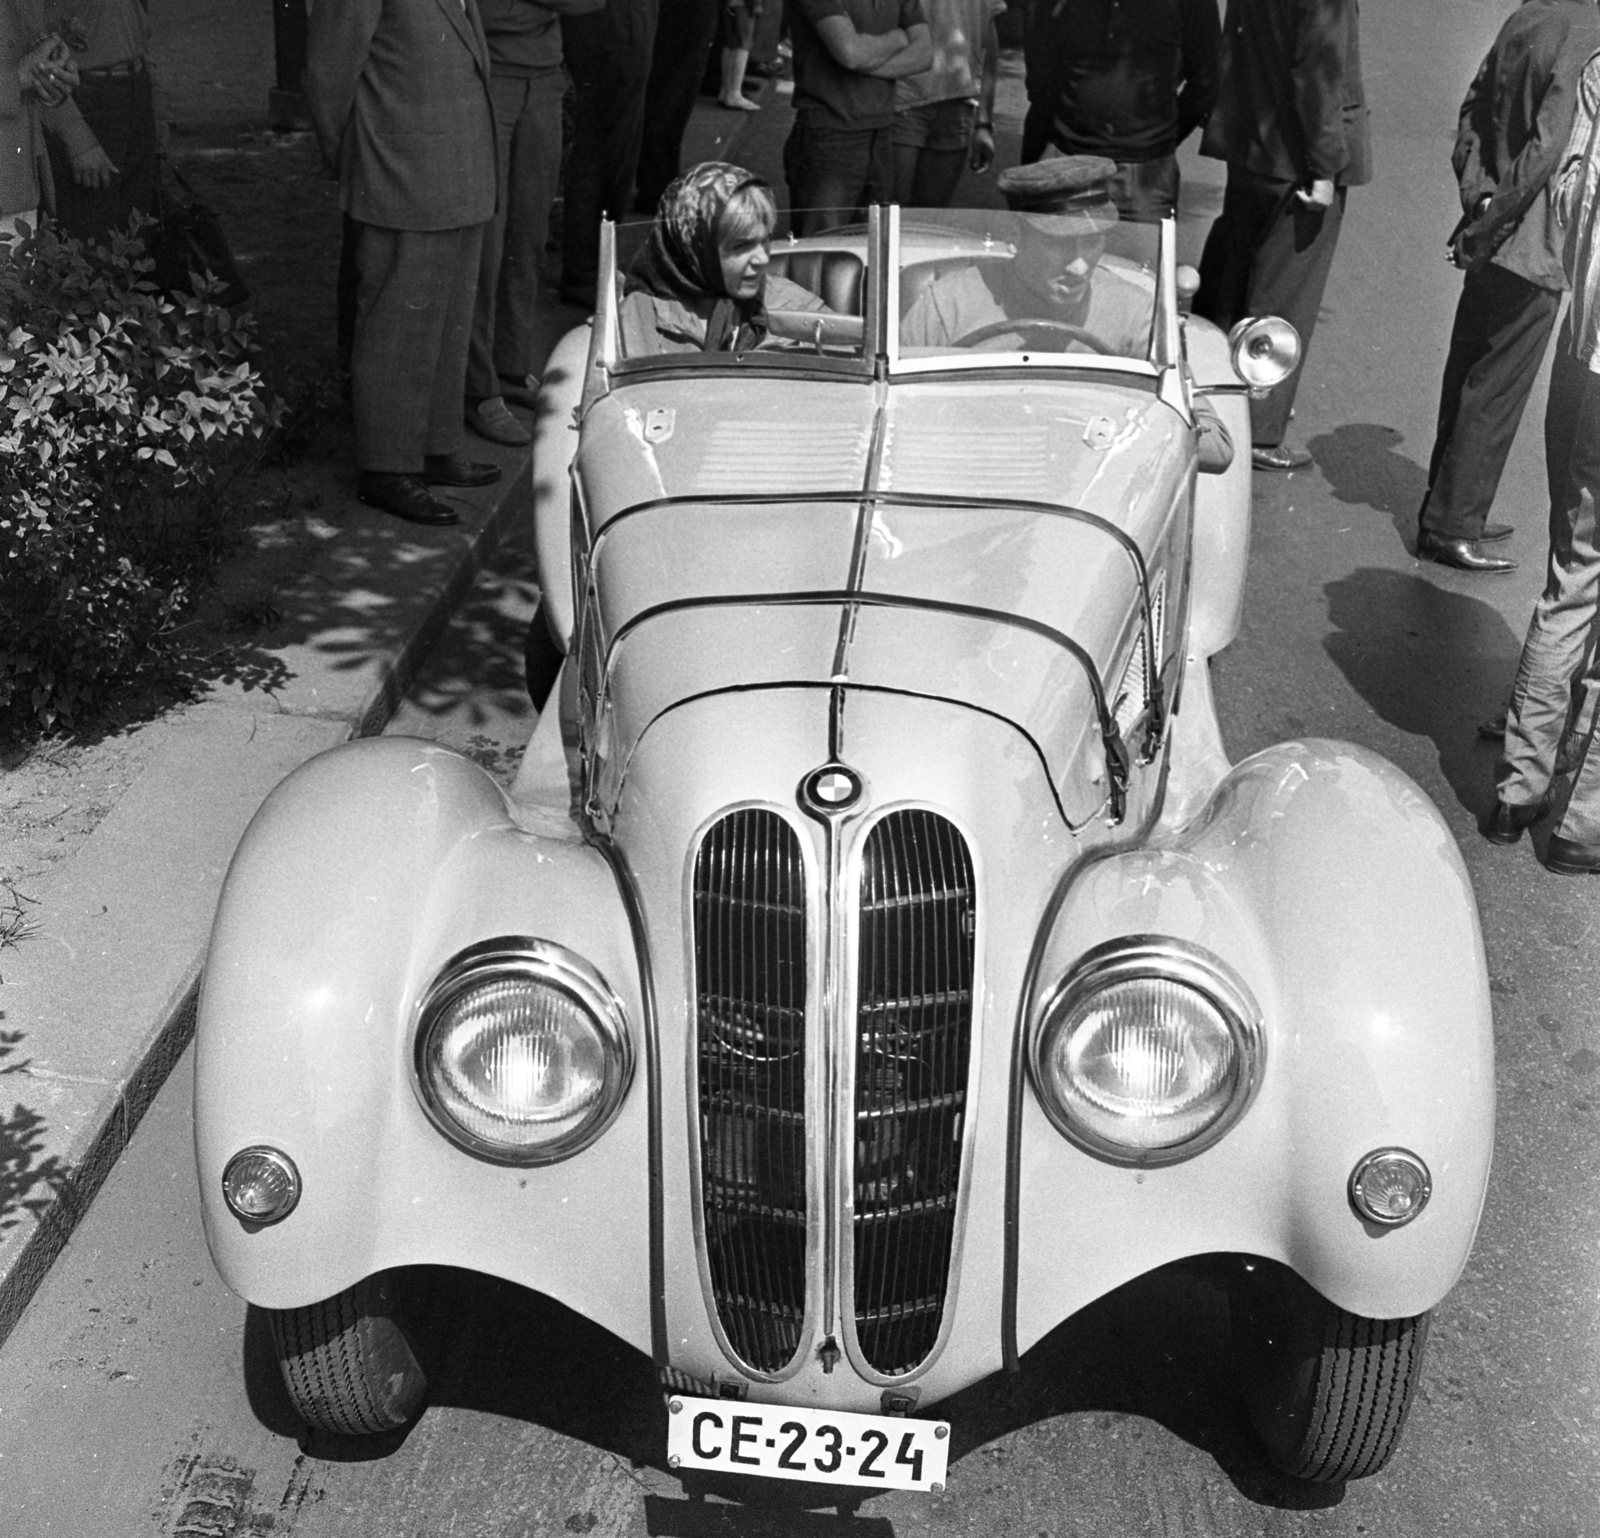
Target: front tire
[346,1362]
[1328,1391]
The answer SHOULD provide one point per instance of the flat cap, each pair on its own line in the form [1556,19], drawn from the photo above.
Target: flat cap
[1062,184]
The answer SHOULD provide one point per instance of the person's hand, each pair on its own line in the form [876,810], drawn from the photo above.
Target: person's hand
[980,150]
[93,168]
[1318,195]
[47,69]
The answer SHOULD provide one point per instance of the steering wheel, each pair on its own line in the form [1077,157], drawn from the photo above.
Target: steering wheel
[1026,328]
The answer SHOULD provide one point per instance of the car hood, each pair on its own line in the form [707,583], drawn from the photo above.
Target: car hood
[926,538]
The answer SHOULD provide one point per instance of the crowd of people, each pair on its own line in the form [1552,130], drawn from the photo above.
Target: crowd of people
[445,121]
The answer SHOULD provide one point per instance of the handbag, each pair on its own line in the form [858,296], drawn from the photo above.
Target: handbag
[188,239]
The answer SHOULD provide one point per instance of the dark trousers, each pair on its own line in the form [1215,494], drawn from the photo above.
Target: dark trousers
[677,62]
[527,119]
[1268,254]
[1556,679]
[834,173]
[608,56]
[120,111]
[408,368]
[1496,345]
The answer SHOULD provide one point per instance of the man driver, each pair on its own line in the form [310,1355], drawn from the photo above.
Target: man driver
[1054,281]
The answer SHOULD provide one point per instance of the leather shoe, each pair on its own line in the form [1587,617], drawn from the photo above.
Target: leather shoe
[403,496]
[1567,857]
[1278,457]
[1507,823]
[457,470]
[520,389]
[1463,554]
[490,419]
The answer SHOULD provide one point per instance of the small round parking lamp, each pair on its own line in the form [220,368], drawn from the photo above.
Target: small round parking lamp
[1265,351]
[261,1185]
[1390,1187]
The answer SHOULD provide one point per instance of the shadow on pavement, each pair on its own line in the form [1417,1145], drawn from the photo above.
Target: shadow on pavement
[1364,467]
[1156,1350]
[1429,660]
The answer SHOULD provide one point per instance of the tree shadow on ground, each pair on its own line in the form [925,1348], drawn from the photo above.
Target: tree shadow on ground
[1364,467]
[29,1184]
[1156,1350]
[1430,660]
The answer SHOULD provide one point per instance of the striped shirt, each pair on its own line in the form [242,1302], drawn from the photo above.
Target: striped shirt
[1575,192]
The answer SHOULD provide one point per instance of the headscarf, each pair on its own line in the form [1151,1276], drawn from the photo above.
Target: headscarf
[683,259]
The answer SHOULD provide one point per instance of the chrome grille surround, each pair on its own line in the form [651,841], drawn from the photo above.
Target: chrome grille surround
[748,895]
[916,954]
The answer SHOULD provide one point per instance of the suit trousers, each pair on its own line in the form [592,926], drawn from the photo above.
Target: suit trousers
[120,111]
[678,63]
[408,367]
[608,56]
[1268,254]
[1496,345]
[527,116]
[1556,677]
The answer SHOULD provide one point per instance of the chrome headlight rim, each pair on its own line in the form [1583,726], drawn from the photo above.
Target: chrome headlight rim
[545,961]
[1146,957]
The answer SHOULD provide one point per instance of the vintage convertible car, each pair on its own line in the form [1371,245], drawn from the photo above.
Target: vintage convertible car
[877,959]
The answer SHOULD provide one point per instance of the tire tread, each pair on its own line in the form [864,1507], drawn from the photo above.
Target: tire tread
[346,1362]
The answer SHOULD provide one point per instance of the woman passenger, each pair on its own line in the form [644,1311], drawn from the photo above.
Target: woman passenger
[701,283]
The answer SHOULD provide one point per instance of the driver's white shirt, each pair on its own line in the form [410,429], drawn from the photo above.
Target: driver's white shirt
[955,305]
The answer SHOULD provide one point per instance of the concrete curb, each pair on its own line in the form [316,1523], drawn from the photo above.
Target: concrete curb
[99,1003]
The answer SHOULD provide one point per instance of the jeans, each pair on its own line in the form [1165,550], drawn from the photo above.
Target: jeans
[1558,657]
[834,173]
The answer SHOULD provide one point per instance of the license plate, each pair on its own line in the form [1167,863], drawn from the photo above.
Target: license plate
[824,1446]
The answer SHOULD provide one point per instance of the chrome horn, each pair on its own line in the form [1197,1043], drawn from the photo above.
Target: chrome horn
[1265,351]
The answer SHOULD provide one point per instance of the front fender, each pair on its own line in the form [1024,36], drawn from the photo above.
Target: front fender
[361,875]
[1328,881]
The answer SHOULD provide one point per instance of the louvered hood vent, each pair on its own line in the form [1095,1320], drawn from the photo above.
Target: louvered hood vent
[918,925]
[750,971]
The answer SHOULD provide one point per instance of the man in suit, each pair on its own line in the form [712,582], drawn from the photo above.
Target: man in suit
[1514,124]
[1291,122]
[399,95]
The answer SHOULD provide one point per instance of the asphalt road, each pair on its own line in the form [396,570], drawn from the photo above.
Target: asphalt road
[138,1398]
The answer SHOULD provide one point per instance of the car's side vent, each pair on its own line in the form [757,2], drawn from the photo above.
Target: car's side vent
[1130,698]
[913,1046]
[750,1002]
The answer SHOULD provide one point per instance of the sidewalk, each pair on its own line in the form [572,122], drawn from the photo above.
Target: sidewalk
[97,1004]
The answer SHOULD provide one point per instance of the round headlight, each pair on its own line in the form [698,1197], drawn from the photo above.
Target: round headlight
[1390,1186]
[1265,352]
[261,1185]
[1148,1052]
[522,1052]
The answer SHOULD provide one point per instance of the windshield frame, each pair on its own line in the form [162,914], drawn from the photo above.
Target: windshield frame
[880,352]
[1164,347]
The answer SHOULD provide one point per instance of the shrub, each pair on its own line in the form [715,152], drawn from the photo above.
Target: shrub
[118,410]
